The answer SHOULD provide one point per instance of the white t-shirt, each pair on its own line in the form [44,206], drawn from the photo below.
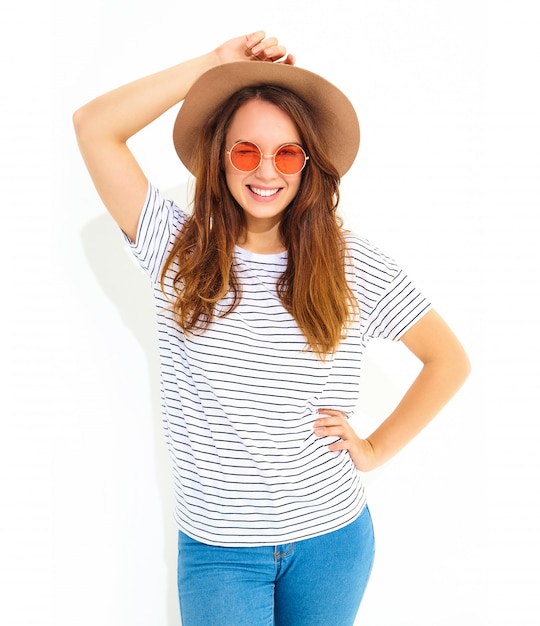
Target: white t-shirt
[239,399]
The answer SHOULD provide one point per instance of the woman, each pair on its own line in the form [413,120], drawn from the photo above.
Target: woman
[265,305]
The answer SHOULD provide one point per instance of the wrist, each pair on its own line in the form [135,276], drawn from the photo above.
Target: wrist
[369,455]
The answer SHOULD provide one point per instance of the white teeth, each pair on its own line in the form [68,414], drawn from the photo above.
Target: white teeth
[264,192]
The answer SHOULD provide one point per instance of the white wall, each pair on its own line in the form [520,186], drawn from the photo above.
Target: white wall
[446,181]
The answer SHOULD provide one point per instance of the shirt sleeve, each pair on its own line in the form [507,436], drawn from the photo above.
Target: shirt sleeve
[390,303]
[159,224]
[399,308]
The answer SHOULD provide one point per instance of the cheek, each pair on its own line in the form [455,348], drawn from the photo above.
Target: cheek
[232,175]
[234,183]
[294,186]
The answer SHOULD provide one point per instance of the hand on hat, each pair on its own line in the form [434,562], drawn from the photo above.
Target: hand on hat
[254,47]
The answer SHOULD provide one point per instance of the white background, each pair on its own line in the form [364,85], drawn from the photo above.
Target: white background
[447,181]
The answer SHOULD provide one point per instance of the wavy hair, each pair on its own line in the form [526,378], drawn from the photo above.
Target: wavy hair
[314,287]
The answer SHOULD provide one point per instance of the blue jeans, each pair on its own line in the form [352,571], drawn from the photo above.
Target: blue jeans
[315,582]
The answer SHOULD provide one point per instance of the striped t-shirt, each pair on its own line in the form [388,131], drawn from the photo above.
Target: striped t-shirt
[239,399]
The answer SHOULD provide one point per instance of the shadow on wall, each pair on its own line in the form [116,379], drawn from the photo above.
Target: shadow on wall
[128,288]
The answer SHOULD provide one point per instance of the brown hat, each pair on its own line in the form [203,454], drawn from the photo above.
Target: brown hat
[335,115]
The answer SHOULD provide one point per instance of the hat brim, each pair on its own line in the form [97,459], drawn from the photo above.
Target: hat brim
[335,115]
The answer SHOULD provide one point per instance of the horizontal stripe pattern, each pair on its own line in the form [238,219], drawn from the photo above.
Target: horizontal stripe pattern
[239,399]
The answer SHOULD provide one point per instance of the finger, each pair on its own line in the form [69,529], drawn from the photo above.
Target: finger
[338,446]
[331,412]
[330,420]
[289,60]
[272,54]
[276,54]
[322,429]
[330,431]
[271,50]
[254,38]
[265,47]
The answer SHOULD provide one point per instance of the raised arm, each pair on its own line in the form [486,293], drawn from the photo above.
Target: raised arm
[104,125]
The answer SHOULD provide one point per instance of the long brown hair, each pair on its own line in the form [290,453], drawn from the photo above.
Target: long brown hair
[314,287]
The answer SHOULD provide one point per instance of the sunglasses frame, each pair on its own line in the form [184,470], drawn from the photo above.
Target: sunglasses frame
[267,156]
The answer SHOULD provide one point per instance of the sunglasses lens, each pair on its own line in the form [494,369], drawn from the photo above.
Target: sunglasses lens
[290,159]
[245,156]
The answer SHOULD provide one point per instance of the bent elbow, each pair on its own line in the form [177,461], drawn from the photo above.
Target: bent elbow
[461,366]
[467,366]
[80,121]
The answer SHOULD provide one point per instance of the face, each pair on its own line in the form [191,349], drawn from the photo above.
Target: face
[264,193]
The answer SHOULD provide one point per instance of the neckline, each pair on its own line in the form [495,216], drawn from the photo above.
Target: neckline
[258,256]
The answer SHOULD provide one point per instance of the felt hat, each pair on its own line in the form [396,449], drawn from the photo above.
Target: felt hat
[334,113]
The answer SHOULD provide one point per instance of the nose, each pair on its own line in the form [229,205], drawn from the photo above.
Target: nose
[266,167]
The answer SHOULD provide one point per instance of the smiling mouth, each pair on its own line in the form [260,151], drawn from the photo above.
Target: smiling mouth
[265,193]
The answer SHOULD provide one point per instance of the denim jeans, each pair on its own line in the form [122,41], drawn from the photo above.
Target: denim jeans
[314,582]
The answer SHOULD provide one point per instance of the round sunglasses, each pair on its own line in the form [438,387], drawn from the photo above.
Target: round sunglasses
[246,156]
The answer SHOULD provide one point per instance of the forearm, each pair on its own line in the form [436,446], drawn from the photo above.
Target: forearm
[121,113]
[435,385]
